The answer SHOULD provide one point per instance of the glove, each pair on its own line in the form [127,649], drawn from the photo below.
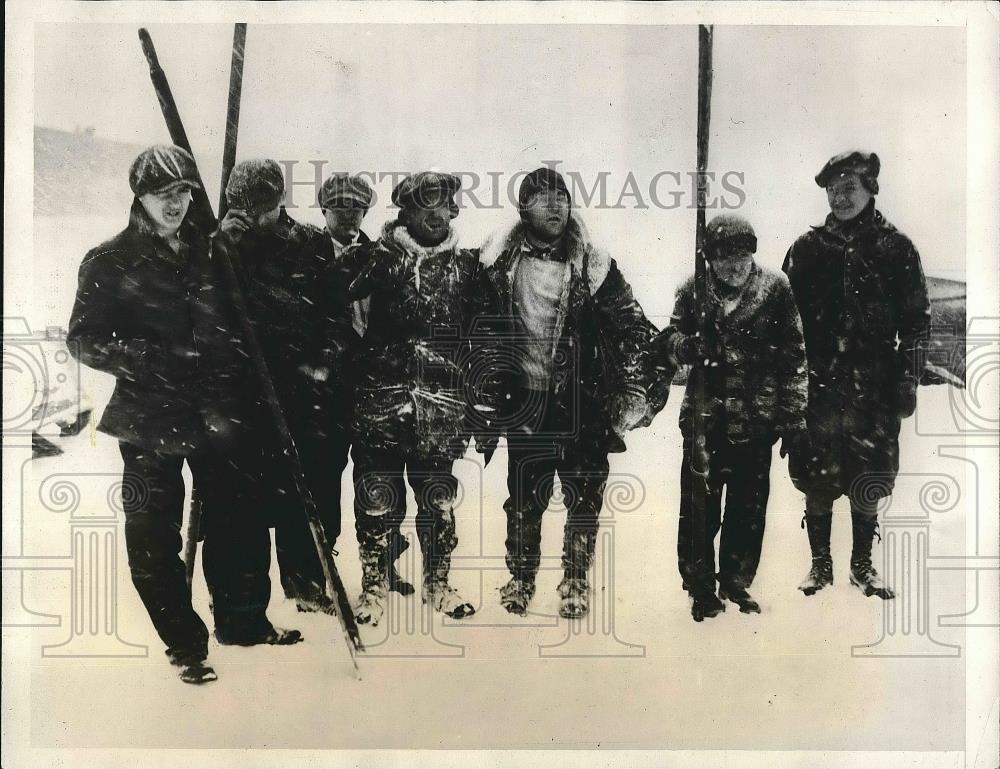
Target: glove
[690,349]
[906,398]
[627,411]
[797,446]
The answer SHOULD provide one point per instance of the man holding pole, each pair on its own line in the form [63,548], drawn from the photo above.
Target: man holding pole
[303,325]
[148,311]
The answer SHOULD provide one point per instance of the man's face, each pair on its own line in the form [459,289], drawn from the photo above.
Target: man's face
[847,196]
[430,224]
[731,266]
[167,208]
[344,223]
[547,214]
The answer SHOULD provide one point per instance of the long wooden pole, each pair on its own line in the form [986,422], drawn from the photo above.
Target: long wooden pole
[334,584]
[699,453]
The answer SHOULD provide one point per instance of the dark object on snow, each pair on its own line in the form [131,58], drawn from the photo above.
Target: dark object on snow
[160,167]
[705,605]
[865,164]
[43,447]
[859,285]
[73,428]
[739,595]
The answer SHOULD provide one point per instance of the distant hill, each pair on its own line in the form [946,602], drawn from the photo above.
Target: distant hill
[79,173]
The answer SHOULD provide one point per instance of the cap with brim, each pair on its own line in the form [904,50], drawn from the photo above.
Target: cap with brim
[865,164]
[421,190]
[161,167]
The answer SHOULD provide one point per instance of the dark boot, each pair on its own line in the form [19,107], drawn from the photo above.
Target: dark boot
[398,544]
[705,603]
[821,572]
[739,595]
[43,447]
[574,597]
[863,574]
[371,603]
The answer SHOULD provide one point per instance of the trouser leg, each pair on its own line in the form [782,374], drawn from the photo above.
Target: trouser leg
[747,488]
[153,509]
[696,549]
[435,489]
[236,552]
[379,507]
[583,478]
[301,572]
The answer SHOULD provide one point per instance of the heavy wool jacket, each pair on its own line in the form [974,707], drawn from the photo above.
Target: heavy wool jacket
[600,338]
[158,322]
[755,384]
[410,365]
[862,295]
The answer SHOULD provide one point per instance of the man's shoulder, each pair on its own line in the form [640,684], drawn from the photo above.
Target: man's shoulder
[116,250]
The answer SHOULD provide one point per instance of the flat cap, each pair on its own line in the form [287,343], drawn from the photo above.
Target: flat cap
[730,230]
[160,167]
[540,180]
[417,190]
[255,184]
[865,164]
[343,188]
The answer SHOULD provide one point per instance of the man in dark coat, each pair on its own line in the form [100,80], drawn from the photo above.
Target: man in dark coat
[410,396]
[570,342]
[750,367]
[148,311]
[302,321]
[860,289]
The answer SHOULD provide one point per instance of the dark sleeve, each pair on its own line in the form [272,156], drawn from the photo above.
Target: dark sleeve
[363,270]
[683,323]
[94,336]
[914,313]
[790,366]
[624,328]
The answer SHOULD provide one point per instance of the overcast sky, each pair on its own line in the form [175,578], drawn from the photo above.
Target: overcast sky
[502,99]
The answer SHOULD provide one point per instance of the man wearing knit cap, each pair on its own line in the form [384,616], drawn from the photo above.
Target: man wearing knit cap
[148,312]
[286,270]
[573,336]
[860,290]
[410,396]
[751,372]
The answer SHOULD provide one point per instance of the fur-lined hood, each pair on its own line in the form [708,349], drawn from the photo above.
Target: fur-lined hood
[579,244]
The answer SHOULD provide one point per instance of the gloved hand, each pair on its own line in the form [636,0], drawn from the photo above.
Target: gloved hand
[797,446]
[627,410]
[689,349]
[906,398]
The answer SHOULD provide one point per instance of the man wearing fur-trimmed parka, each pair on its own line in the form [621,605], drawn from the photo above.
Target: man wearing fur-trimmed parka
[572,337]
[409,412]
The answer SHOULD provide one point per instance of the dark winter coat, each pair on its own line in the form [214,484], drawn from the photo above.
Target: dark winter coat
[156,320]
[300,317]
[861,293]
[410,365]
[600,358]
[755,386]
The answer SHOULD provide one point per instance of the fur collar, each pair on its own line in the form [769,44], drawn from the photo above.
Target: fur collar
[579,245]
[394,232]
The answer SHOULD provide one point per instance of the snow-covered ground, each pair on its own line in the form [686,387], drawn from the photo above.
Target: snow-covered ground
[640,674]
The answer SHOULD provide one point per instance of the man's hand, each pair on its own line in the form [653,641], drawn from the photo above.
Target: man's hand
[690,349]
[906,398]
[627,411]
[235,224]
